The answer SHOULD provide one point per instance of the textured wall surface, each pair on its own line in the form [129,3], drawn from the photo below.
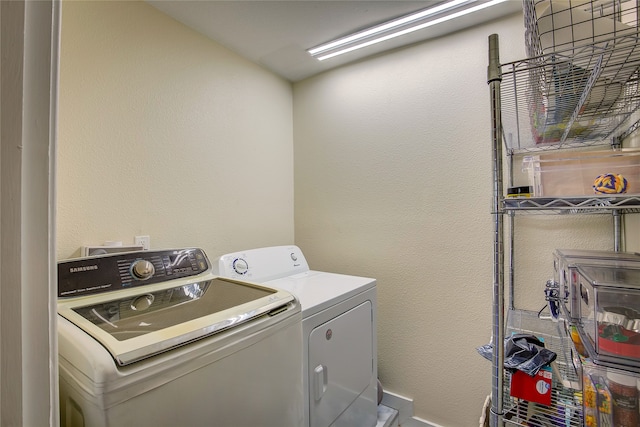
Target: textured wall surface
[165,133]
[393,181]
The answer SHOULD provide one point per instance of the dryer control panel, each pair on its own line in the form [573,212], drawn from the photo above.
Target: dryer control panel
[262,264]
[108,273]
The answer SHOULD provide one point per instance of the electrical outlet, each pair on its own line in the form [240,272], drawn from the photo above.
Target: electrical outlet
[144,241]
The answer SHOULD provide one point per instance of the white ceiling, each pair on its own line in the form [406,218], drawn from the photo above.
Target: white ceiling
[276,34]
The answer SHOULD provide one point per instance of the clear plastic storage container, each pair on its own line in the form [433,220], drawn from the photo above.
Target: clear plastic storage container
[610,397]
[565,272]
[609,311]
[579,174]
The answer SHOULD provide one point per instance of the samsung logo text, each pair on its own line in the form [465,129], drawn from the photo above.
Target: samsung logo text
[83,268]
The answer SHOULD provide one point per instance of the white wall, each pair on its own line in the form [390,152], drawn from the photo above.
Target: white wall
[165,133]
[393,181]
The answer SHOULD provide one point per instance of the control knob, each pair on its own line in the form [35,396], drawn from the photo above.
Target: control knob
[240,266]
[142,269]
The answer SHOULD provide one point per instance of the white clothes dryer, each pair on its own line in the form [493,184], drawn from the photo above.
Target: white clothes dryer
[339,348]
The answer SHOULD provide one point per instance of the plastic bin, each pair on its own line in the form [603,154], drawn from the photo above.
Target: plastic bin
[610,397]
[609,310]
[574,174]
[565,272]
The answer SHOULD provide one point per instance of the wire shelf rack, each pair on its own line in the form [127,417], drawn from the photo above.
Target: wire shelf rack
[574,205]
[566,402]
[580,84]
[579,87]
[561,25]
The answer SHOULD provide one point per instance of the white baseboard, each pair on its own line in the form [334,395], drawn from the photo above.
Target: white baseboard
[404,406]
[418,422]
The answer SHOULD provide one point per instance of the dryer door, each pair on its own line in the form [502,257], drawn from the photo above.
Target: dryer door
[340,366]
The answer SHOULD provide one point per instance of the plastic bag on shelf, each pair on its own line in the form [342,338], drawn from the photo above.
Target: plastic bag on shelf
[522,352]
[526,353]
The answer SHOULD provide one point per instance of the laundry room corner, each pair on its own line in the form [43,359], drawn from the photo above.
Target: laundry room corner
[390,154]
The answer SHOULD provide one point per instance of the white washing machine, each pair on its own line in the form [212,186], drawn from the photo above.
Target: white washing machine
[153,338]
[339,349]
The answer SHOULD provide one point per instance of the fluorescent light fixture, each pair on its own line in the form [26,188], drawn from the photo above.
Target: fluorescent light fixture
[401,26]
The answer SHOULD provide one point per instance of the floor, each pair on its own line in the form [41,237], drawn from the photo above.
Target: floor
[387,417]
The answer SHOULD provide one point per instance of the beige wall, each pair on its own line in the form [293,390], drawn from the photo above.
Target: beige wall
[165,133]
[393,180]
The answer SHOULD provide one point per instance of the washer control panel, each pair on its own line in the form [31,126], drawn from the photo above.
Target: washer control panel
[108,273]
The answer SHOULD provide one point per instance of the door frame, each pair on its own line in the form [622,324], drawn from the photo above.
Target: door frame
[29,45]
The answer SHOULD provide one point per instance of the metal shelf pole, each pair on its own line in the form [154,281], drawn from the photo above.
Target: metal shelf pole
[617,231]
[494,78]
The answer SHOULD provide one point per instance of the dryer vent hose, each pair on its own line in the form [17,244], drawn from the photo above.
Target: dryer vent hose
[380,391]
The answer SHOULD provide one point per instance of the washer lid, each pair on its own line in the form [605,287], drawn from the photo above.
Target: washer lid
[318,290]
[138,323]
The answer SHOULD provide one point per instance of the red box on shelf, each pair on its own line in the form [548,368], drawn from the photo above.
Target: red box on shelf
[534,389]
